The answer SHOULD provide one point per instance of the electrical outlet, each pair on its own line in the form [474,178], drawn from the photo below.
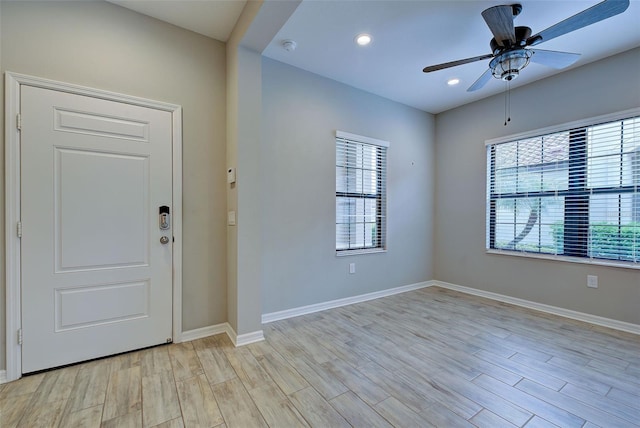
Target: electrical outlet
[592,281]
[352,268]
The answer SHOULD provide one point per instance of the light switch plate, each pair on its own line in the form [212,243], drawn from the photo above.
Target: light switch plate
[231,218]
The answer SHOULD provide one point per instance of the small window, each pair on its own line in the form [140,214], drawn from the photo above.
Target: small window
[361,190]
[573,193]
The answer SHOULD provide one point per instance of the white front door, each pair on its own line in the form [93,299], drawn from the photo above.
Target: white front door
[96,278]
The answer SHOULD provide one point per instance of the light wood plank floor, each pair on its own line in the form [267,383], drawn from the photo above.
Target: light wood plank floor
[431,357]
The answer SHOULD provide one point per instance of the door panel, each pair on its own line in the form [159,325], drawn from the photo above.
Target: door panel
[91,124]
[120,225]
[95,278]
[96,304]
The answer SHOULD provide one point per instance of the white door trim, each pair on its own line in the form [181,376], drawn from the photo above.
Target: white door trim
[13,82]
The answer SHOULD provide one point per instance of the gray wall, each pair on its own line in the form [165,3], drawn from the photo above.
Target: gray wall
[101,45]
[599,88]
[300,113]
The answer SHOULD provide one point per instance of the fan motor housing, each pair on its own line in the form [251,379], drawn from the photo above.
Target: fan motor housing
[522,34]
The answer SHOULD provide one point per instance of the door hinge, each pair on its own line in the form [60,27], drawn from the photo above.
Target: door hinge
[19,121]
[19,336]
[19,229]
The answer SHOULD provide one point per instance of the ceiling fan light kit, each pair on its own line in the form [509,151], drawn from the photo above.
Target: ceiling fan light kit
[507,66]
[510,45]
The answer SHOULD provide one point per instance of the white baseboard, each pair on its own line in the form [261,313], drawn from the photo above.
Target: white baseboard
[225,327]
[247,338]
[3,376]
[244,339]
[309,309]
[199,333]
[567,313]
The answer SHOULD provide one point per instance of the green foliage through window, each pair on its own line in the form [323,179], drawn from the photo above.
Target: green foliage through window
[606,241]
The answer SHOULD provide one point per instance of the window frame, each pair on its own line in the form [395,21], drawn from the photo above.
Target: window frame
[575,193]
[380,195]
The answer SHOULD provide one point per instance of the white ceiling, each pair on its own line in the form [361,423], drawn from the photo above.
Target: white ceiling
[407,36]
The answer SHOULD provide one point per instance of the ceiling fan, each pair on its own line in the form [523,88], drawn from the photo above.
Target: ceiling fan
[510,44]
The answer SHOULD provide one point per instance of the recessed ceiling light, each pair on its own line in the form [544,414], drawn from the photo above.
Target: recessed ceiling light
[363,39]
[453,82]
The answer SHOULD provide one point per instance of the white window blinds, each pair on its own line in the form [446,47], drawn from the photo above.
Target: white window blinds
[572,193]
[361,190]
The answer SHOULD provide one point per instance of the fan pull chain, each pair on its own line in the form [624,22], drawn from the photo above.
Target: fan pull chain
[507,103]
[505,106]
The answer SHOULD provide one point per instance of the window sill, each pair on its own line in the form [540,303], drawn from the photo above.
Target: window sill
[593,262]
[358,252]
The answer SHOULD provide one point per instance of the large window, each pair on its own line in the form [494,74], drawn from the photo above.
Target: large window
[572,193]
[361,204]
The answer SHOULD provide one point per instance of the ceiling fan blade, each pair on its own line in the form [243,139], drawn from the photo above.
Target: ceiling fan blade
[553,59]
[599,12]
[455,63]
[482,80]
[500,22]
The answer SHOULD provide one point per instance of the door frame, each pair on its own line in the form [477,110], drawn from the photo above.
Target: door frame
[13,84]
